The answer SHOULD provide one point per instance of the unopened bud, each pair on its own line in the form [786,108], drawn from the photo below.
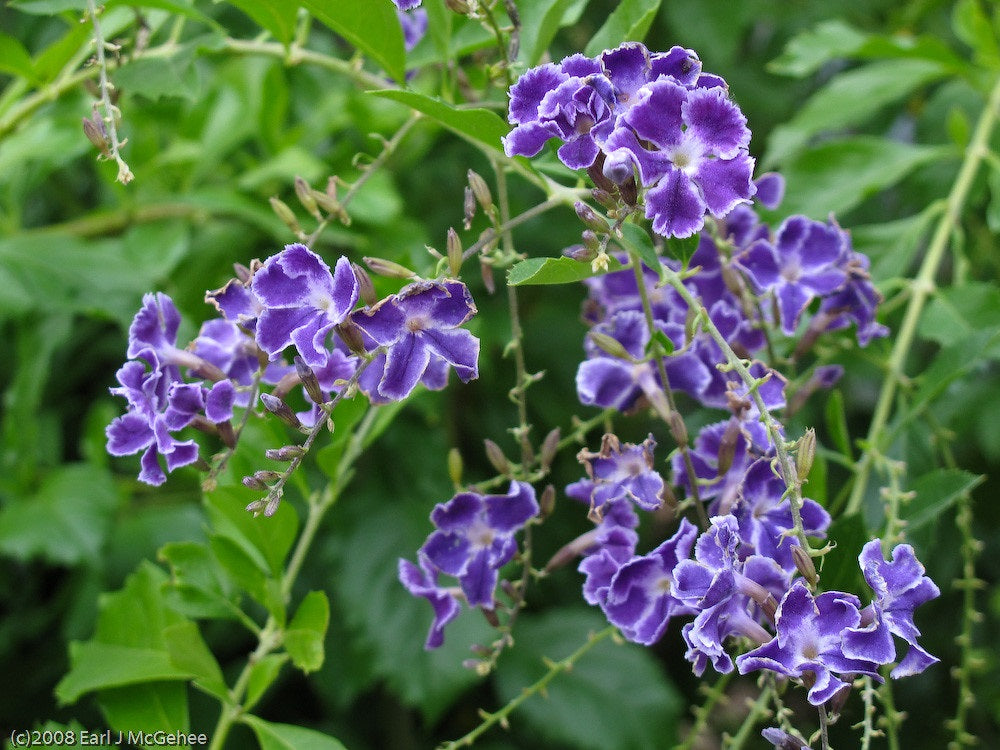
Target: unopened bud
[468,209]
[305,195]
[94,129]
[549,447]
[591,241]
[547,501]
[690,323]
[309,380]
[496,457]
[253,483]
[351,335]
[482,192]
[458,6]
[805,454]
[579,253]
[266,477]
[286,214]
[804,564]
[590,218]
[281,410]
[267,505]
[285,453]
[727,446]
[455,466]
[491,616]
[486,271]
[605,198]
[454,253]
[678,430]
[243,273]
[366,289]
[609,345]
[226,433]
[388,268]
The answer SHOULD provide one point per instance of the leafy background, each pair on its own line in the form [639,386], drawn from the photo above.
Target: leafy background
[865,107]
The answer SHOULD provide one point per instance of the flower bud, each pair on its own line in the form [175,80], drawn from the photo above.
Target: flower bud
[591,241]
[243,274]
[266,477]
[486,271]
[804,564]
[605,198]
[805,454]
[727,446]
[678,430]
[458,6]
[590,218]
[482,192]
[388,268]
[305,195]
[285,453]
[547,501]
[454,253]
[455,466]
[281,410]
[309,380]
[549,447]
[468,208]
[351,335]
[610,345]
[579,253]
[226,433]
[273,500]
[253,483]
[496,457]
[94,129]
[286,214]
[366,289]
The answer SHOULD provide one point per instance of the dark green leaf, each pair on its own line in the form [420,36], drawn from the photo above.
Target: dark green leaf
[849,99]
[277,16]
[936,491]
[683,248]
[952,362]
[198,587]
[66,522]
[660,339]
[266,540]
[628,22]
[189,652]
[371,27]
[479,126]
[636,240]
[837,175]
[836,423]
[553,271]
[307,631]
[959,311]
[574,708]
[149,707]
[272,736]
[840,570]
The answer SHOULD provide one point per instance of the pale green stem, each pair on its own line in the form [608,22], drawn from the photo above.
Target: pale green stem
[704,712]
[922,288]
[111,113]
[757,711]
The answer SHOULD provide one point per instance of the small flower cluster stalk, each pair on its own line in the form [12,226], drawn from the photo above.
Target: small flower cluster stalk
[111,114]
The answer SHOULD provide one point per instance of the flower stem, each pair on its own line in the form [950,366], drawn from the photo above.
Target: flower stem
[921,288]
[111,112]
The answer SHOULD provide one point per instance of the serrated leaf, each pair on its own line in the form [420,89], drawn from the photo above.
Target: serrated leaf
[172,75]
[479,126]
[189,652]
[960,311]
[840,570]
[836,176]
[276,16]
[198,587]
[628,22]
[372,27]
[574,709]
[307,631]
[852,97]
[273,736]
[935,492]
[534,271]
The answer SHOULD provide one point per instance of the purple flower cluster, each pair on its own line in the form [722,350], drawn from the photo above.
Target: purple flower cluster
[293,300]
[628,112]
[473,540]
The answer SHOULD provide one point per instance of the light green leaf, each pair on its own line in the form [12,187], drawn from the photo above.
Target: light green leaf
[838,175]
[276,16]
[806,53]
[973,26]
[189,652]
[936,491]
[272,736]
[103,665]
[836,423]
[48,7]
[372,27]
[553,271]
[848,99]
[628,22]
[154,78]
[149,707]
[539,23]
[307,630]
[198,587]
[574,709]
[635,239]
[479,126]
[263,673]
[14,58]
[263,539]
[957,312]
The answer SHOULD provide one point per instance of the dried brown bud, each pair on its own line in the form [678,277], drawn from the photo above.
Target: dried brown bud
[243,274]
[496,457]
[226,433]
[458,6]
[727,446]
[309,380]
[678,430]
[388,268]
[281,410]
[549,447]
[486,271]
[468,209]
[454,253]
[351,335]
[286,214]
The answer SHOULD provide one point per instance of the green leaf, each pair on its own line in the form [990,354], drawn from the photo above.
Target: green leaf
[248,572]
[628,22]
[263,673]
[14,58]
[840,570]
[540,21]
[48,7]
[102,665]
[574,709]
[372,27]
[683,248]
[957,312]
[973,26]
[307,630]
[263,539]
[636,240]
[66,522]
[198,587]
[952,362]
[149,707]
[155,78]
[272,736]
[809,51]
[481,127]
[936,491]
[837,175]
[189,652]
[276,16]
[562,270]
[848,99]
[836,423]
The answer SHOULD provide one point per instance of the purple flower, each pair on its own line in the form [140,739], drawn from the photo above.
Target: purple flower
[803,262]
[900,587]
[422,581]
[302,302]
[418,326]
[414,25]
[623,472]
[407,4]
[339,367]
[856,302]
[639,599]
[475,537]
[782,740]
[809,643]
